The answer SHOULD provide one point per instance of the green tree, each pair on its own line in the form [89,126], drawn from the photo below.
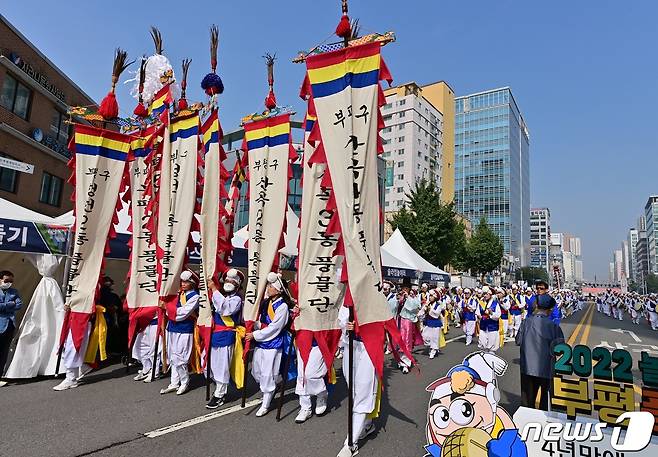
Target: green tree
[652,284]
[428,224]
[460,259]
[485,250]
[531,274]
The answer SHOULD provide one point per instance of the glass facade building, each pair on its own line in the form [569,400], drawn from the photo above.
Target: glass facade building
[492,167]
[651,217]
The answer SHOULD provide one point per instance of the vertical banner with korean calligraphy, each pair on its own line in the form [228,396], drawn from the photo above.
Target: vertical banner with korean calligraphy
[100,158]
[268,145]
[142,290]
[176,200]
[213,215]
[319,296]
[344,86]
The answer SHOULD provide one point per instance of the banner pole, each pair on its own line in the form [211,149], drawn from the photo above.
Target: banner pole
[286,366]
[155,354]
[245,364]
[350,383]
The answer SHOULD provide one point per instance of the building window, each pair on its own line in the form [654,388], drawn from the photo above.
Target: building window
[51,189]
[8,178]
[401,177]
[59,128]
[402,114]
[402,102]
[400,189]
[401,164]
[400,139]
[15,96]
[400,152]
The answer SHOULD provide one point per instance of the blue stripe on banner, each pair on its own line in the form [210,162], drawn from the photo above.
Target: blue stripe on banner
[183,134]
[270,141]
[100,151]
[309,125]
[141,152]
[214,138]
[355,81]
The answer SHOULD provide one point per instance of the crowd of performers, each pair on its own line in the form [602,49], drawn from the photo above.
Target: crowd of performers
[634,305]
[424,315]
[489,314]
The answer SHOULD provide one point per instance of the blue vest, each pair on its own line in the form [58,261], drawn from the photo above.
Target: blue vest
[223,338]
[489,325]
[504,313]
[431,321]
[265,320]
[469,315]
[186,326]
[514,309]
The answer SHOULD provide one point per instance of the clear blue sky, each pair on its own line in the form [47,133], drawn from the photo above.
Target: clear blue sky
[584,74]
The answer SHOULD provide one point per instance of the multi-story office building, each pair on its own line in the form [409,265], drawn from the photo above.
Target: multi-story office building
[492,167]
[632,253]
[540,238]
[34,97]
[569,258]
[413,143]
[578,271]
[651,220]
[618,259]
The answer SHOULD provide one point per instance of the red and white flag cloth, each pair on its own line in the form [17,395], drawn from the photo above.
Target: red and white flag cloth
[268,145]
[345,91]
[214,243]
[142,291]
[176,201]
[99,159]
[319,291]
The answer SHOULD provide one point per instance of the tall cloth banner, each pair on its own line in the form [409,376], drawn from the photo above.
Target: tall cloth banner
[319,296]
[233,200]
[99,158]
[142,291]
[268,145]
[345,91]
[214,241]
[177,193]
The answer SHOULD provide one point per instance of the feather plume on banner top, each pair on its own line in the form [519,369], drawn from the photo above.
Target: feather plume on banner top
[182,103]
[211,83]
[140,110]
[109,108]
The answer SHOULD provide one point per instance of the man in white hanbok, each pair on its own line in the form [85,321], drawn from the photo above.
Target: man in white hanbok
[269,332]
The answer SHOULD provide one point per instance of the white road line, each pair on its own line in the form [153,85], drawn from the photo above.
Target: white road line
[455,339]
[205,418]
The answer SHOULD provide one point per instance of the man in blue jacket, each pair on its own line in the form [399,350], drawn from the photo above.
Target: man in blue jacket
[10,302]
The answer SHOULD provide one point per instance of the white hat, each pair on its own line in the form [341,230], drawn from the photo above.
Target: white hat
[500,290]
[188,276]
[274,280]
[434,293]
[514,286]
[486,290]
[233,275]
[467,291]
[424,285]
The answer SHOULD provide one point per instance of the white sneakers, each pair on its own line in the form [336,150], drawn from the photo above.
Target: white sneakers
[321,406]
[262,411]
[84,370]
[347,451]
[141,376]
[66,384]
[369,430]
[432,353]
[303,416]
[169,389]
[182,389]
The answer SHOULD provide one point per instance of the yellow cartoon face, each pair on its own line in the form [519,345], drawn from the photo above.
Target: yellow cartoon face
[452,412]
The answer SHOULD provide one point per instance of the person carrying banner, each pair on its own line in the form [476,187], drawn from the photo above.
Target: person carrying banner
[269,335]
[180,332]
[227,309]
[490,311]
[311,381]
[365,384]
[74,360]
[516,310]
[144,349]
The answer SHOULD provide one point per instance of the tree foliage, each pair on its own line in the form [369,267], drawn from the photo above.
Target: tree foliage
[429,225]
[532,274]
[652,284]
[485,250]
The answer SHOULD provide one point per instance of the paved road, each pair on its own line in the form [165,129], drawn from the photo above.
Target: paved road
[111,415]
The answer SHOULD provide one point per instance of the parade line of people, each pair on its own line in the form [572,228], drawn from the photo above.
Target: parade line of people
[488,314]
[634,305]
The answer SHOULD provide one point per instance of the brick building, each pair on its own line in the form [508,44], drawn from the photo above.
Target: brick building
[34,96]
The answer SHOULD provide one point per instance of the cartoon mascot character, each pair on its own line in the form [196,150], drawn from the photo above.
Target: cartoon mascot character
[463,417]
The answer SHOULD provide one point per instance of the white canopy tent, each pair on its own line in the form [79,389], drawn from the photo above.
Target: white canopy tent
[398,248]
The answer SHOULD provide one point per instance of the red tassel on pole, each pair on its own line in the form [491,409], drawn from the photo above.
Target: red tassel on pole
[344,29]
[109,108]
[270,100]
[140,110]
